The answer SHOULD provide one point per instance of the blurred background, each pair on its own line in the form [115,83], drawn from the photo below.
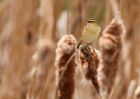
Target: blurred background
[30,30]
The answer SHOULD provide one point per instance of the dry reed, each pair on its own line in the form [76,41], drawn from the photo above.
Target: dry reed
[137,93]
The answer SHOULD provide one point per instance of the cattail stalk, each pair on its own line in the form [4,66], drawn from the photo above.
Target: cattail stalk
[65,64]
[110,44]
[137,93]
[137,90]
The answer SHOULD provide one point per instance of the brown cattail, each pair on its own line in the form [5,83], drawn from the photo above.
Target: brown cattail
[42,61]
[89,58]
[110,44]
[65,63]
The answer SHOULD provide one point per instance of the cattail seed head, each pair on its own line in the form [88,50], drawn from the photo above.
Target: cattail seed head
[89,60]
[65,63]
[110,44]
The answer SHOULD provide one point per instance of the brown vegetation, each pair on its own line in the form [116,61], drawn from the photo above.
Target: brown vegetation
[38,38]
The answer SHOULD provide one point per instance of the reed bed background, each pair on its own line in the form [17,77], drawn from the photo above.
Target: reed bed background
[42,55]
